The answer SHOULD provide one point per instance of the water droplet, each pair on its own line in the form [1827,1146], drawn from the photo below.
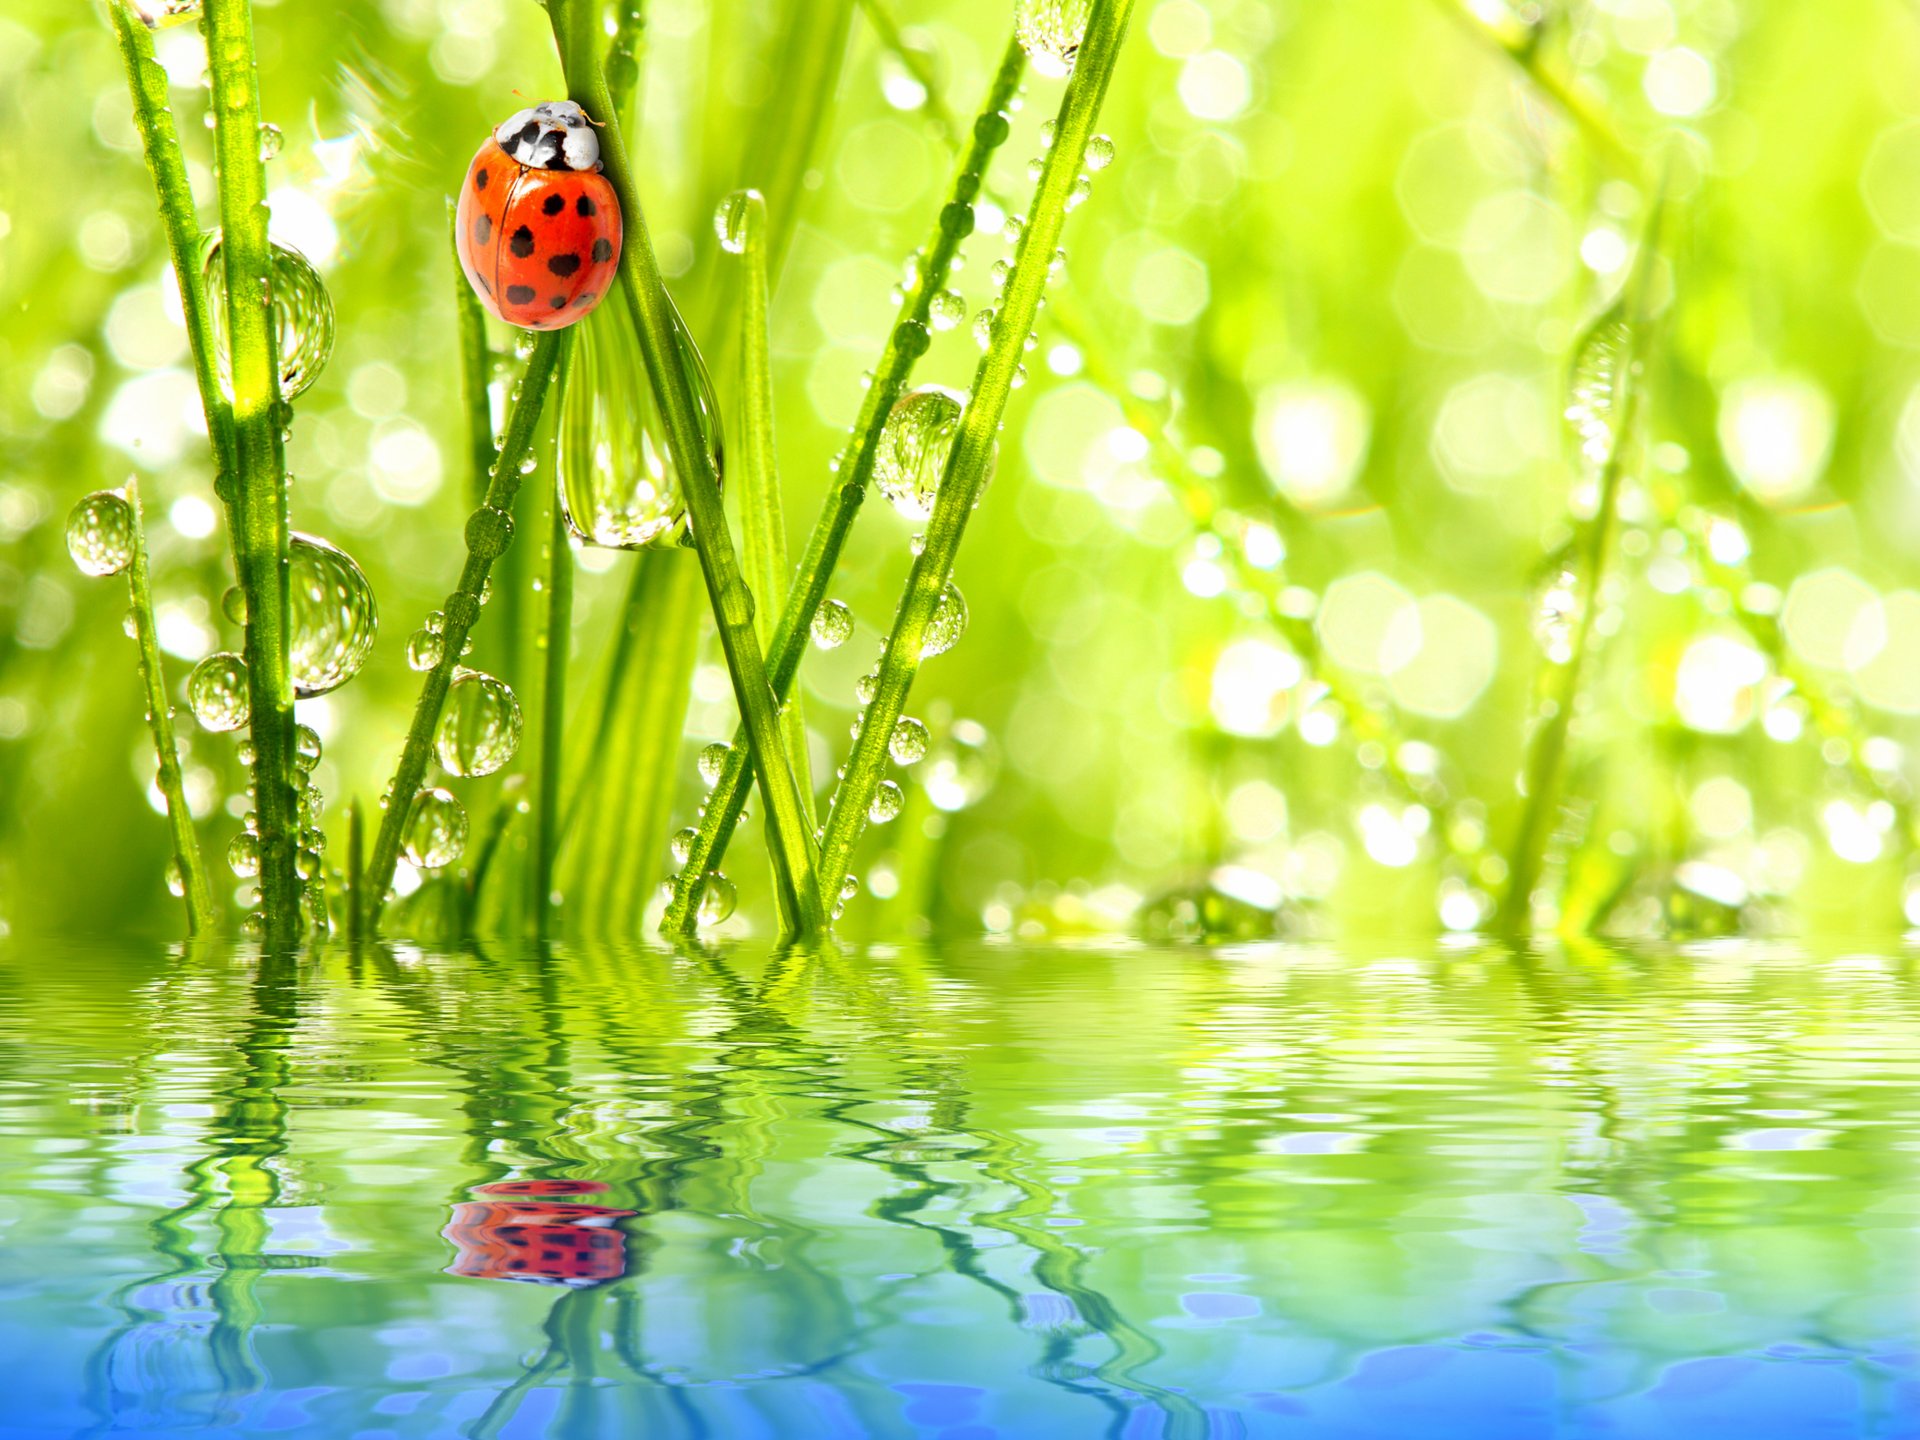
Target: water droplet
[436,829]
[217,692]
[914,447]
[866,687]
[100,533]
[713,760]
[423,649]
[302,309]
[946,309]
[1082,188]
[480,728]
[176,878]
[849,888]
[947,625]
[681,846]
[1599,365]
[887,800]
[270,142]
[832,624]
[130,626]
[1050,31]
[731,221]
[233,604]
[1099,152]
[908,743]
[620,486]
[717,899]
[243,854]
[306,748]
[333,618]
[983,322]
[1555,610]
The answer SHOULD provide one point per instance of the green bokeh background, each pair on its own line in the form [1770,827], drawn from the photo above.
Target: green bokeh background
[1366,211]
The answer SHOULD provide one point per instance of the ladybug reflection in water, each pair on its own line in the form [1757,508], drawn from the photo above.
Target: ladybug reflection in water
[524,1230]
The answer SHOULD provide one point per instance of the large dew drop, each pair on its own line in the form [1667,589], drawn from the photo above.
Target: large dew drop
[480,729]
[914,447]
[947,625]
[619,485]
[832,624]
[217,692]
[436,830]
[908,742]
[302,309]
[713,761]
[717,899]
[100,533]
[886,802]
[333,620]
[1050,32]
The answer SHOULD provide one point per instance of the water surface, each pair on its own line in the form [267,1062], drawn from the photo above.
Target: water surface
[963,1193]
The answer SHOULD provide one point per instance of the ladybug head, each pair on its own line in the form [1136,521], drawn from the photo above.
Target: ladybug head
[555,135]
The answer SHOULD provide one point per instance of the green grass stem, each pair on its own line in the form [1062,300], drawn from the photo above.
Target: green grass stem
[258,480]
[579,37]
[853,471]
[974,446]
[558,645]
[1546,752]
[476,375]
[196,888]
[489,532]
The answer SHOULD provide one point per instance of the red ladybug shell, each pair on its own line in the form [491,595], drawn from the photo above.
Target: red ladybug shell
[539,247]
[545,1241]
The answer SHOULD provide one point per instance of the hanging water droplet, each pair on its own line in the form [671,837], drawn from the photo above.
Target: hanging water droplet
[270,142]
[1036,167]
[717,899]
[914,446]
[306,748]
[100,533]
[1594,391]
[849,888]
[832,624]
[217,692]
[243,854]
[130,626]
[620,487]
[302,309]
[983,322]
[1082,188]
[887,800]
[1050,31]
[681,846]
[731,219]
[713,761]
[918,543]
[946,309]
[233,604]
[333,617]
[1099,152]
[947,625]
[480,728]
[436,832]
[176,877]
[908,743]
[423,649]
[866,687]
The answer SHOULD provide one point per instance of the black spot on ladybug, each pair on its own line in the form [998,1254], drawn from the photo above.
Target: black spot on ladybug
[522,242]
[519,294]
[584,205]
[554,204]
[480,180]
[585,297]
[564,265]
[559,302]
[602,249]
[482,229]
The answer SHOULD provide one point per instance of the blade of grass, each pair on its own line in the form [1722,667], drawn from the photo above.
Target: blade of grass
[196,889]
[356,873]
[489,532]
[974,445]
[578,38]
[764,527]
[1546,753]
[853,470]
[476,374]
[558,643]
[259,477]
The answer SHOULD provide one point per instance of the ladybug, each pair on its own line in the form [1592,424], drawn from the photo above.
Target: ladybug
[538,226]
[518,1232]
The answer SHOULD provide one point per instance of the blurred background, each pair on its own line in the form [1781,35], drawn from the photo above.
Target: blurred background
[1273,570]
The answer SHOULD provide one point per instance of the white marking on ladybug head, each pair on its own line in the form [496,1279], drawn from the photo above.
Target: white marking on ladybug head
[556,135]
